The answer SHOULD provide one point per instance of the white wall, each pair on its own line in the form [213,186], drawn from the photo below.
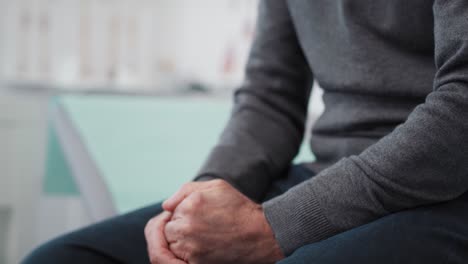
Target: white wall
[129,43]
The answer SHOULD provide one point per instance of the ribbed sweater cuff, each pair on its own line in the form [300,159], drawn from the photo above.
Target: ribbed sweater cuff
[206,177]
[296,219]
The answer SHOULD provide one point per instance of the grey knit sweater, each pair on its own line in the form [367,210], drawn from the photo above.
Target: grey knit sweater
[394,133]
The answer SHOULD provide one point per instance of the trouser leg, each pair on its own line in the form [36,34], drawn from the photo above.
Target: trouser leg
[430,234]
[117,240]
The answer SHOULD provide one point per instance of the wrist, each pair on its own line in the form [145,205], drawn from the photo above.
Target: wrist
[268,242]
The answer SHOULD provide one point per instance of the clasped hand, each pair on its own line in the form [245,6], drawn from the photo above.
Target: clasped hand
[210,222]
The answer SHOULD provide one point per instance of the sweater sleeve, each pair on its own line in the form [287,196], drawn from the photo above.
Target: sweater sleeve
[266,127]
[423,161]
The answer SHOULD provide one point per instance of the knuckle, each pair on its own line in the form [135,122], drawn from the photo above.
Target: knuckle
[175,248]
[168,230]
[192,251]
[186,186]
[180,250]
[185,230]
[191,203]
[187,251]
[172,231]
[186,208]
[196,198]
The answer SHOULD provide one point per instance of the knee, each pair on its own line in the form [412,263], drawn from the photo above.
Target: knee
[54,251]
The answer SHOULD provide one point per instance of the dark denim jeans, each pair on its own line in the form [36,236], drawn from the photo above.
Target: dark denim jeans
[431,234]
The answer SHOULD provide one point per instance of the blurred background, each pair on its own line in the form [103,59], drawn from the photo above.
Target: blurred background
[115,45]
[85,86]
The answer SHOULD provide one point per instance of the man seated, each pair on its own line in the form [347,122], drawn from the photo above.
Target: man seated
[390,179]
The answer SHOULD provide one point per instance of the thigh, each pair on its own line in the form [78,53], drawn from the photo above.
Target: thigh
[430,234]
[116,240]
[296,175]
